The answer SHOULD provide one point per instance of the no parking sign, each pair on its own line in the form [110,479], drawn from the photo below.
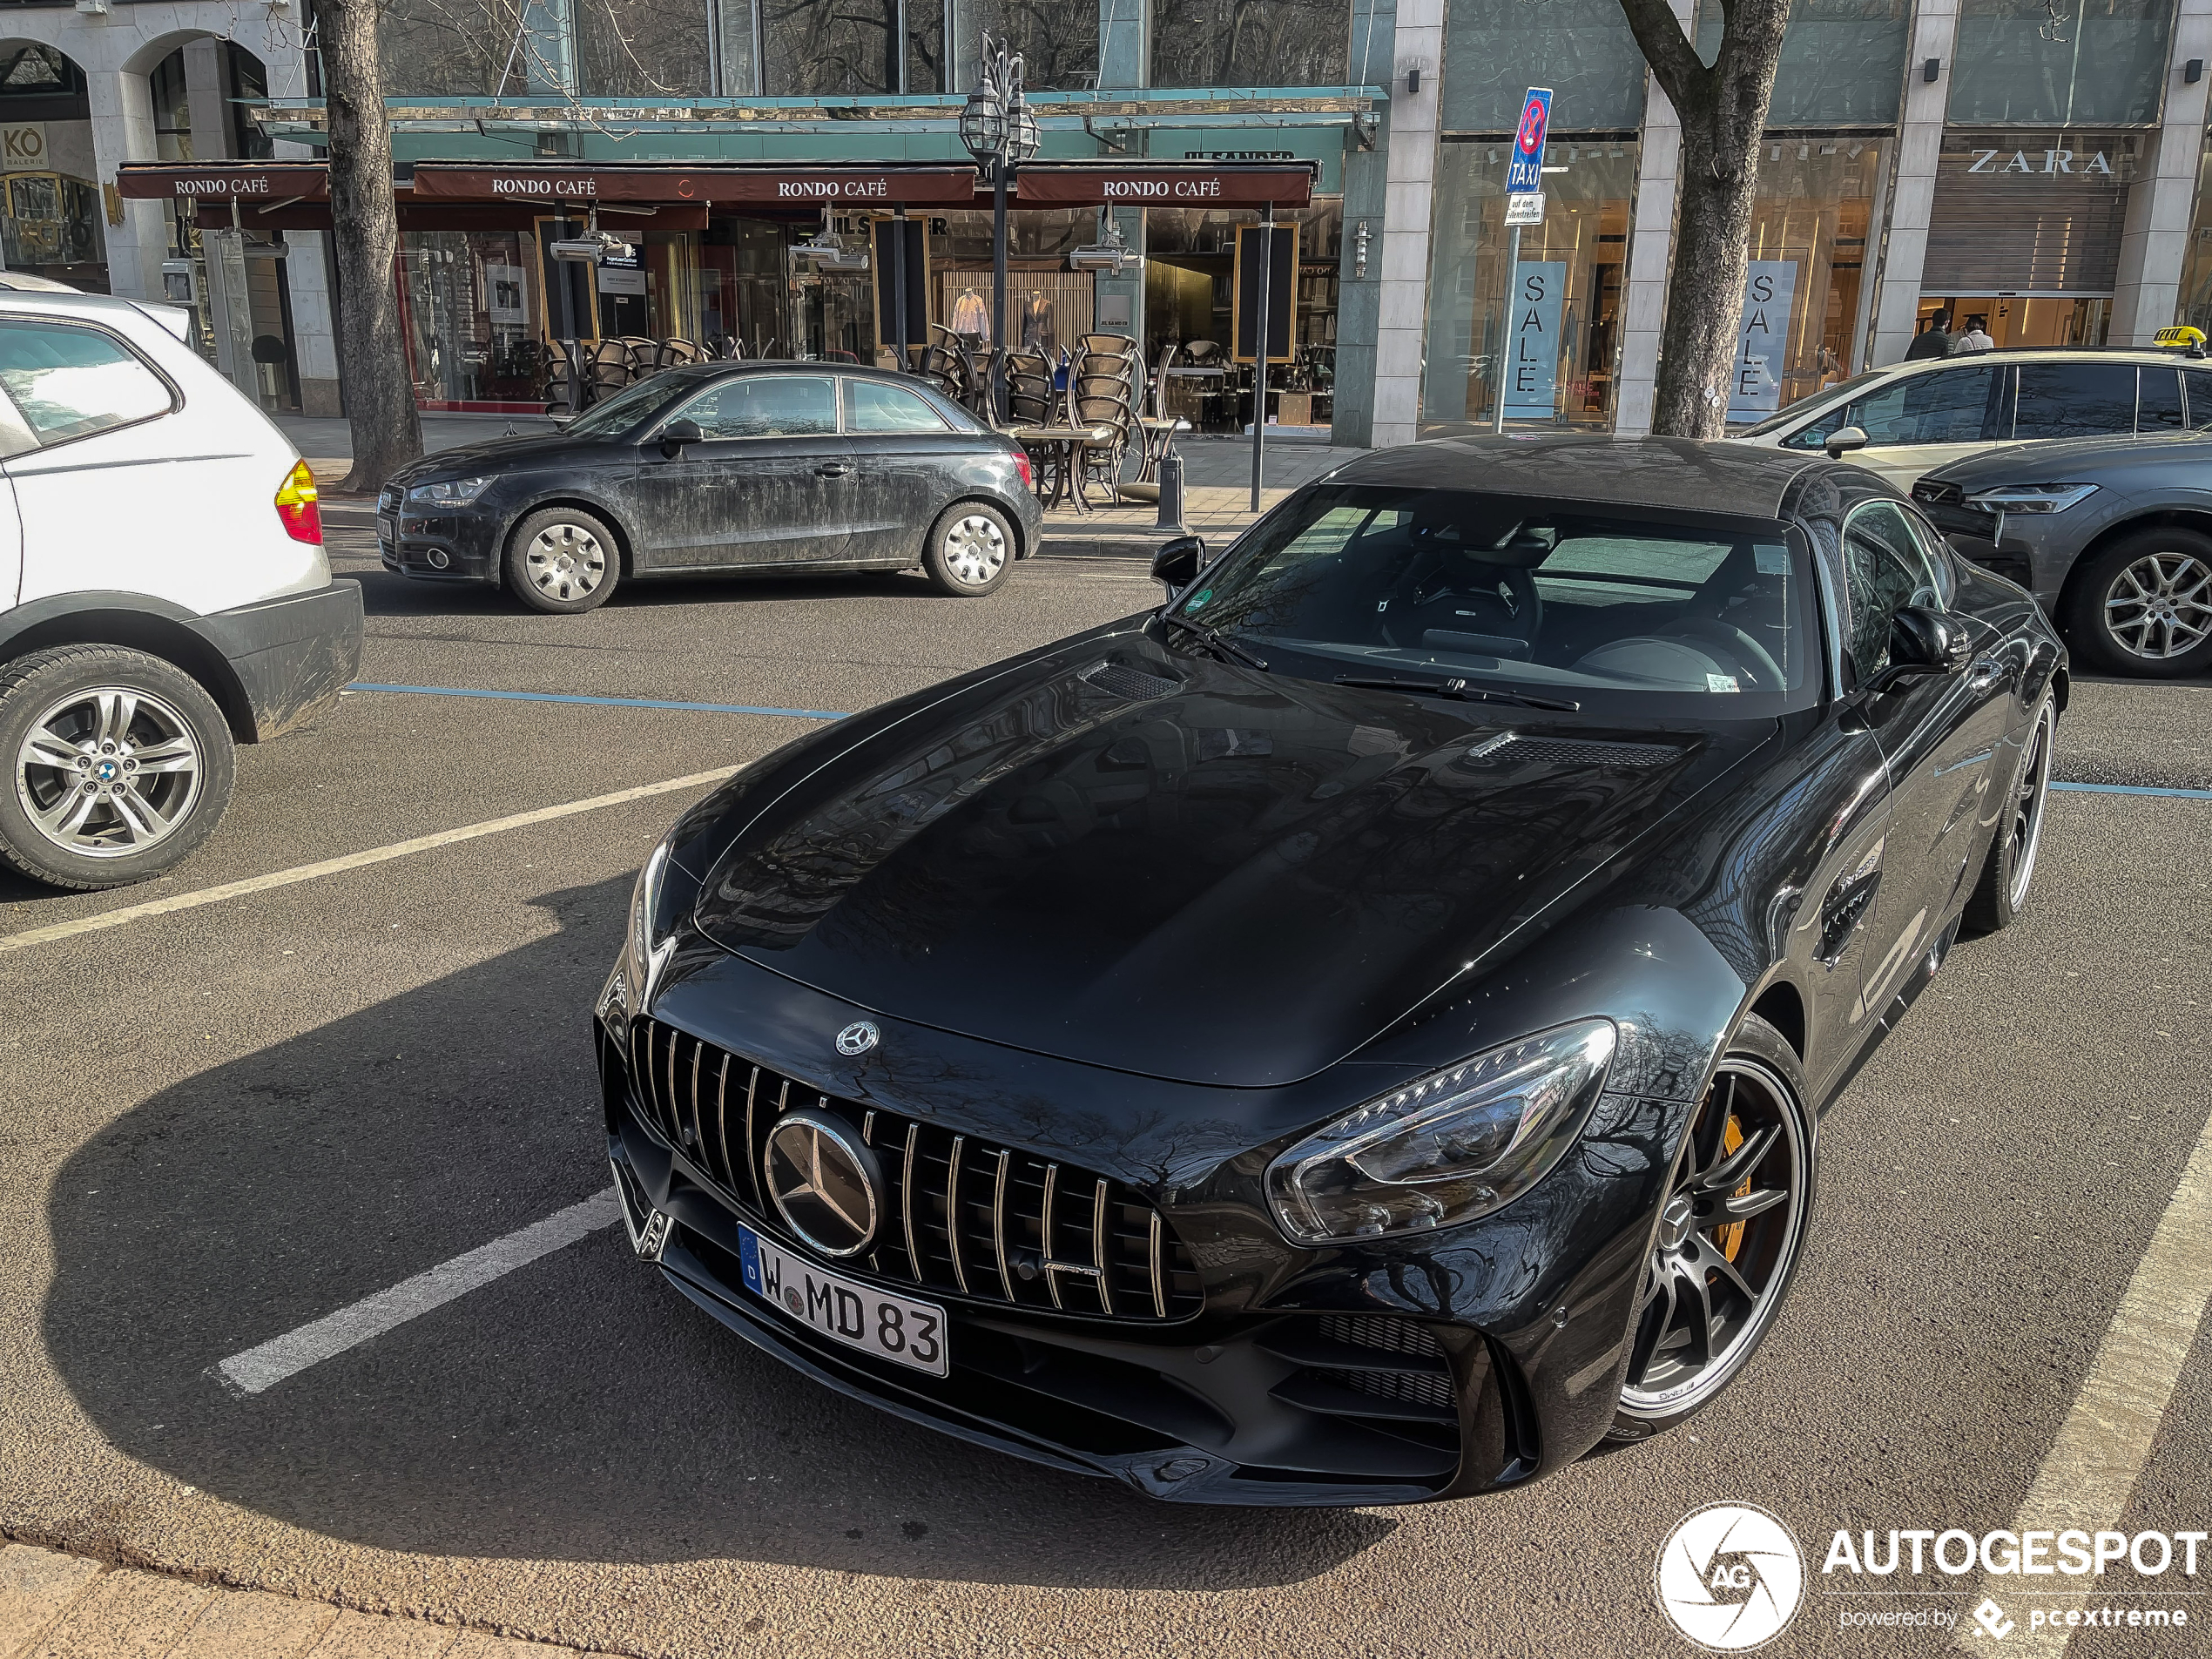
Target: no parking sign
[1526,172]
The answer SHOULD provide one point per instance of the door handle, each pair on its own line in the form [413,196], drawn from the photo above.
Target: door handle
[834,468]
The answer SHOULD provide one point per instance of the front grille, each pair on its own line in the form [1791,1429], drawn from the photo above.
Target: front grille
[388,500]
[1423,1388]
[962,1217]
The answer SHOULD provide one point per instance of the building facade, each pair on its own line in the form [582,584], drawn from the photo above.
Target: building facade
[2040,164]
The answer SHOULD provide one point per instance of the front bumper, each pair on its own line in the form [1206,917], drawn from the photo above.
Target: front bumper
[291,657]
[460,546]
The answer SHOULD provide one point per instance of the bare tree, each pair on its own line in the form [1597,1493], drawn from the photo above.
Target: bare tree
[365,224]
[1723,106]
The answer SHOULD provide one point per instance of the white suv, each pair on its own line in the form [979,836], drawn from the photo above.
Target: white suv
[163,589]
[1921,415]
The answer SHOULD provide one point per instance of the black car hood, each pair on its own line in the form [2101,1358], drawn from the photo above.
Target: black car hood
[1176,868]
[496,455]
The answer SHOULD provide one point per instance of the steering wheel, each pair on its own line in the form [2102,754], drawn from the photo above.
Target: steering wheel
[1502,601]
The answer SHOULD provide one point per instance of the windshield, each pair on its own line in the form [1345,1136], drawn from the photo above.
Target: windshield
[1805,405]
[624,410]
[1659,615]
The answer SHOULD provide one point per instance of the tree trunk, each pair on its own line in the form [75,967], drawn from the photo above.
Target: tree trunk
[379,399]
[1722,107]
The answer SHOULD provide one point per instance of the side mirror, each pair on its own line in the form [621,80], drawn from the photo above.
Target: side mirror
[676,433]
[1924,641]
[1177,563]
[1844,439]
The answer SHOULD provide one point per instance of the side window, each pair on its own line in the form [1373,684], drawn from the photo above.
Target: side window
[1950,406]
[2199,381]
[765,406]
[2076,399]
[1883,572]
[1937,551]
[72,382]
[871,406]
[2158,402]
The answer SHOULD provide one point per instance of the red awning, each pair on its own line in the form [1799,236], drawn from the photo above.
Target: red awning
[762,184]
[224,181]
[1166,184]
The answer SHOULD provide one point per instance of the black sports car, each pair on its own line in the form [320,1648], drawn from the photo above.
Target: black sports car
[1354,1035]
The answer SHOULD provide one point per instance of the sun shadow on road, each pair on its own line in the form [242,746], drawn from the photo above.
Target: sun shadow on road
[576,1410]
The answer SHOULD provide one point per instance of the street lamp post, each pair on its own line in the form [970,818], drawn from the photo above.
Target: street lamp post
[1001,133]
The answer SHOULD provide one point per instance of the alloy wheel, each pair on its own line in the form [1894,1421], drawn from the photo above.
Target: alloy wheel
[974,549]
[2026,824]
[1726,1237]
[565,561]
[2161,606]
[108,772]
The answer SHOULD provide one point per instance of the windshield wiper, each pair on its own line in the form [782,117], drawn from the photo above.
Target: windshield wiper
[1461,691]
[1220,642]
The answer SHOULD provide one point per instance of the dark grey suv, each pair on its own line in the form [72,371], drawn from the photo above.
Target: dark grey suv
[2113,536]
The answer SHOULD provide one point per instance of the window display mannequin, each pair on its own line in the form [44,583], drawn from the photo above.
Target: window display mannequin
[970,316]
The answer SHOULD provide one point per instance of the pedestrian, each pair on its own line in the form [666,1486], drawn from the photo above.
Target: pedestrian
[1934,340]
[1977,336]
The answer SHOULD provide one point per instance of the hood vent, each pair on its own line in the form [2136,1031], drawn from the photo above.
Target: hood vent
[1512,749]
[1131,682]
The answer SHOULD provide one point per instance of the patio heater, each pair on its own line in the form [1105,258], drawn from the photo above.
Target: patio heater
[1001,133]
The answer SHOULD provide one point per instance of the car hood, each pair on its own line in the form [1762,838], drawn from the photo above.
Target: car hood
[496,455]
[2016,463]
[1178,867]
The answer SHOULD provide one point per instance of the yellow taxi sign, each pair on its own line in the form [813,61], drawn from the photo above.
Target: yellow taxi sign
[2180,334]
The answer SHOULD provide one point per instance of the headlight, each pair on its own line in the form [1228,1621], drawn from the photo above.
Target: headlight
[2030,498]
[628,987]
[1456,1145]
[451,492]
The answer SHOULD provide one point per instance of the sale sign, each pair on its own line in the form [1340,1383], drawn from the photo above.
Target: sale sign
[1526,170]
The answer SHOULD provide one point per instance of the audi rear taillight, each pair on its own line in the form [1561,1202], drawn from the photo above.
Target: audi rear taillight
[1021,466]
[295,505]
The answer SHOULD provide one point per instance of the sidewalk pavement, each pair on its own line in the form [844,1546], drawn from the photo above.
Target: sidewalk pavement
[1217,480]
[54,1606]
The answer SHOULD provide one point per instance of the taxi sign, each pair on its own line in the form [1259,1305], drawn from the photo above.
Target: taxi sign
[1524,173]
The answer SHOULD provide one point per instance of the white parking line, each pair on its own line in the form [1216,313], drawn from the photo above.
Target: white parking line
[271,1363]
[350,862]
[2090,1470]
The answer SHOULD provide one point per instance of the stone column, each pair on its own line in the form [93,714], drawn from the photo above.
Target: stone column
[1919,145]
[1401,293]
[1651,250]
[2161,204]
[122,110]
[1374,47]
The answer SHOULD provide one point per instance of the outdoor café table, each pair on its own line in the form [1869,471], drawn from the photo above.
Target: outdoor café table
[1067,443]
[1159,434]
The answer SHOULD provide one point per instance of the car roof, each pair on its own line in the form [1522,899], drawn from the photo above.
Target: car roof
[1686,474]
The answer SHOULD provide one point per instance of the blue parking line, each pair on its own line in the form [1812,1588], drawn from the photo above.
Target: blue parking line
[2134,789]
[604,702]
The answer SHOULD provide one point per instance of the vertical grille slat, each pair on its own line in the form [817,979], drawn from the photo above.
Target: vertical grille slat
[952,1223]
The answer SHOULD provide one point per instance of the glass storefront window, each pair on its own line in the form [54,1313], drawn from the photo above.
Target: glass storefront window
[1805,293]
[1190,269]
[455,48]
[641,47]
[2055,62]
[1234,43]
[829,48]
[742,286]
[1843,61]
[471,302]
[1056,40]
[1559,345]
[1495,50]
[2194,305]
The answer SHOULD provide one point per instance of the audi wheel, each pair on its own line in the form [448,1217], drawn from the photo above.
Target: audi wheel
[970,551]
[562,561]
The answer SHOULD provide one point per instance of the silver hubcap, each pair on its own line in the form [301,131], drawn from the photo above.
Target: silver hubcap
[566,562]
[108,772]
[2026,826]
[1726,1237]
[974,550]
[2161,606]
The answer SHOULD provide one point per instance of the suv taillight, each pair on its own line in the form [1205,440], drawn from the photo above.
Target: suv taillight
[295,505]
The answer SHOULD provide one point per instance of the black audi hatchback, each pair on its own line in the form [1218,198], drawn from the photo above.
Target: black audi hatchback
[722,469]
[1358,1032]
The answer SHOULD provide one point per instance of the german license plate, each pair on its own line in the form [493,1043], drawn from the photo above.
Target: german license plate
[890,1327]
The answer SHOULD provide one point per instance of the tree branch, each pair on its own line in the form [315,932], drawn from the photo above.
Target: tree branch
[1681,73]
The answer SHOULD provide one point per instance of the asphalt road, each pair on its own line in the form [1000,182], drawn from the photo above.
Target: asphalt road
[229,1121]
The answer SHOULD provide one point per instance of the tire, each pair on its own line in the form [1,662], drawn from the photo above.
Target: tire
[2001,892]
[1758,1094]
[2144,606]
[562,561]
[969,551]
[75,810]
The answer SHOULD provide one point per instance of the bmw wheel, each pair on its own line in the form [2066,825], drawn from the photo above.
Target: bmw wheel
[2144,607]
[969,551]
[2001,892]
[118,765]
[562,561]
[1728,1236]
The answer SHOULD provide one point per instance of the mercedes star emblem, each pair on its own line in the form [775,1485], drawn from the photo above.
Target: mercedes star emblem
[858,1038]
[825,1181]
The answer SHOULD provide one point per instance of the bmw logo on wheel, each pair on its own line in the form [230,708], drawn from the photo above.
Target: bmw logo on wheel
[858,1038]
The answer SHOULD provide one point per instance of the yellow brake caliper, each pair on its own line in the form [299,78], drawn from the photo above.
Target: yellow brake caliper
[1730,1238]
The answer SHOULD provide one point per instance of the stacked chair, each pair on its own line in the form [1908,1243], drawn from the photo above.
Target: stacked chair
[1103,391]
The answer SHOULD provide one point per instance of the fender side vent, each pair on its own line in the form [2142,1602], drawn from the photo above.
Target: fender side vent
[1131,682]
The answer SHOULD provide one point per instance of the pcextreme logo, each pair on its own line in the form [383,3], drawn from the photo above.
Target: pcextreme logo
[1729,1577]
